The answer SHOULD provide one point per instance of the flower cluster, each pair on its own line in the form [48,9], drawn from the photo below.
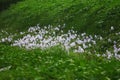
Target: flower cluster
[49,36]
[6,37]
[116,50]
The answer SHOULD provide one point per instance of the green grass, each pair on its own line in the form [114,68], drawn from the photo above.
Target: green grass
[84,15]
[55,64]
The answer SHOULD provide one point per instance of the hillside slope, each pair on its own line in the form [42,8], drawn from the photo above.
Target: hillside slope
[60,40]
[91,16]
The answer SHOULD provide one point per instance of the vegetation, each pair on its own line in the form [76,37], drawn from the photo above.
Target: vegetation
[84,15]
[6,3]
[97,17]
[55,64]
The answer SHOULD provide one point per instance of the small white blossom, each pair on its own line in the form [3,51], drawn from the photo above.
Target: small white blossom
[109,40]
[112,28]
[73,44]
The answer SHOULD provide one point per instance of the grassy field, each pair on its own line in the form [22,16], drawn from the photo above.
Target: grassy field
[84,15]
[55,64]
[93,22]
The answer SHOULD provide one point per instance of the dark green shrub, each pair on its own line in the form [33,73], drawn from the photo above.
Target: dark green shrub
[6,3]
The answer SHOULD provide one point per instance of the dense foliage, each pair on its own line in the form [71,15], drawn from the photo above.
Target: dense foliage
[87,48]
[6,3]
[54,64]
[85,15]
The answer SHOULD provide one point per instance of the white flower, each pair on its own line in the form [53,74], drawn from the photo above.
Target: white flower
[114,42]
[96,36]
[101,38]
[89,45]
[83,34]
[98,55]
[84,46]
[85,40]
[21,33]
[115,49]
[57,29]
[80,49]
[117,56]
[72,36]
[88,40]
[79,41]
[72,44]
[94,42]
[9,39]
[112,28]
[39,37]
[109,40]
[118,49]
[3,40]
[90,37]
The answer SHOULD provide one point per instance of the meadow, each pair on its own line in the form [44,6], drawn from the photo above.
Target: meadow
[60,40]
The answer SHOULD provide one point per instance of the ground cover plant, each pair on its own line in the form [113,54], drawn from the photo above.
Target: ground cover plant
[60,40]
[54,63]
